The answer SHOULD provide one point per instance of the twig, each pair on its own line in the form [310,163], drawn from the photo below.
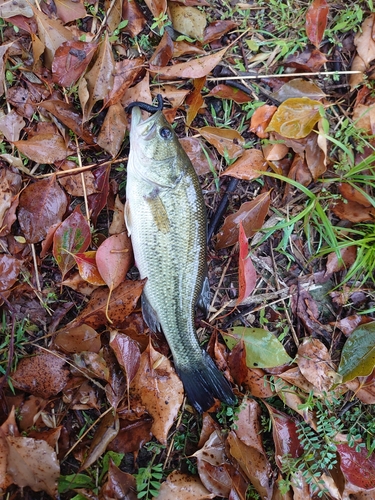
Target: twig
[35,267]
[282,75]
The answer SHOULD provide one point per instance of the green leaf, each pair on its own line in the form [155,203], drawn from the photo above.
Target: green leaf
[263,350]
[358,354]
[67,483]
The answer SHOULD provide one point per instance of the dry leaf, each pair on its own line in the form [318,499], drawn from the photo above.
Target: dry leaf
[249,166]
[183,487]
[315,364]
[188,20]
[113,130]
[226,141]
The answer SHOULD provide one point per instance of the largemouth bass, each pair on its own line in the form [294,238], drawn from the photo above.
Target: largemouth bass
[166,220]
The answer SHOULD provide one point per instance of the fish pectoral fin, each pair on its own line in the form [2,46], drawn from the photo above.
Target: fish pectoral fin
[127,217]
[149,315]
[159,213]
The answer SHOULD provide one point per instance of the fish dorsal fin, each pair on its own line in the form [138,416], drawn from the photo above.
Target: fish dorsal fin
[158,211]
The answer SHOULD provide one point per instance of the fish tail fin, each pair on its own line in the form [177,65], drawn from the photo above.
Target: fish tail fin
[204,382]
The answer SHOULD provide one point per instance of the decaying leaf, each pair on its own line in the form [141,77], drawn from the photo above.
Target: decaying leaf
[249,166]
[315,364]
[79,339]
[247,276]
[316,21]
[188,20]
[43,148]
[114,258]
[160,390]
[183,487]
[226,141]
[358,354]
[113,129]
[104,434]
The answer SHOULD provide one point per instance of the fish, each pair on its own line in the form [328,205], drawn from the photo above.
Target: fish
[165,216]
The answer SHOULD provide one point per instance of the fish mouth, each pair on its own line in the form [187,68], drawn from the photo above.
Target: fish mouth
[145,128]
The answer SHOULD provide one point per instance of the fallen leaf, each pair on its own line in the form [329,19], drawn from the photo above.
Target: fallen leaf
[11,8]
[353,211]
[113,130]
[188,20]
[11,126]
[43,148]
[252,214]
[201,157]
[72,236]
[351,193]
[114,258]
[119,484]
[263,349]
[365,50]
[122,302]
[248,166]
[42,204]
[160,390]
[195,68]
[10,186]
[113,9]
[70,10]
[98,200]
[195,100]
[260,120]
[358,353]
[348,257]
[216,29]
[227,92]
[157,7]
[298,87]
[163,52]
[44,374]
[184,487]
[71,60]
[309,60]
[247,276]
[316,21]
[295,118]
[79,339]
[227,141]
[10,268]
[127,353]
[315,364]
[87,267]
[248,427]
[137,21]
[125,73]
[133,434]
[105,433]
[357,466]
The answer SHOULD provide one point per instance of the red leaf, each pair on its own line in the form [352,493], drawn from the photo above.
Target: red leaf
[9,271]
[357,467]
[127,353]
[98,201]
[316,21]
[114,258]
[247,276]
[88,270]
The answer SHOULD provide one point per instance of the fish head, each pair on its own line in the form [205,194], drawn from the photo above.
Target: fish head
[154,149]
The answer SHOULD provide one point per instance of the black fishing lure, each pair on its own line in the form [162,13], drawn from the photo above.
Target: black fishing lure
[147,107]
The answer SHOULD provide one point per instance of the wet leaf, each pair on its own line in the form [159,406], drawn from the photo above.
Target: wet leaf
[183,487]
[122,302]
[237,363]
[72,236]
[126,72]
[248,166]
[98,81]
[195,68]
[113,130]
[163,52]
[70,118]
[357,467]
[160,391]
[127,353]
[132,12]
[254,464]
[70,10]
[11,126]
[306,61]
[133,434]
[195,100]
[216,29]
[358,354]
[298,87]
[104,434]
[44,374]
[195,149]
[114,258]
[353,211]
[71,60]
[285,437]
[97,201]
[157,7]
[295,118]
[43,148]
[316,21]
[248,428]
[119,484]
[263,349]
[247,276]
[211,460]
[20,459]
[42,204]
[87,267]
[227,92]
[260,120]
[226,141]
[188,20]
[79,339]
[252,214]
[315,364]
[10,268]
[52,34]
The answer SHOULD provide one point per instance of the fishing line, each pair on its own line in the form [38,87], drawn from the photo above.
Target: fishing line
[147,107]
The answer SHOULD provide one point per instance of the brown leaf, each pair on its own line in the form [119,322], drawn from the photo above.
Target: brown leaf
[52,34]
[104,434]
[249,166]
[211,460]
[315,364]
[10,185]
[28,462]
[118,222]
[10,268]
[227,92]
[248,428]
[216,29]
[11,126]
[42,204]
[79,339]
[195,100]
[348,257]
[97,83]
[188,20]
[247,275]
[254,464]
[127,353]
[119,485]
[98,200]
[183,487]
[194,148]
[260,120]
[195,68]
[114,258]
[163,52]
[298,87]
[157,7]
[353,211]
[122,302]
[43,148]
[70,10]
[349,192]
[316,21]
[307,60]
[72,183]
[44,374]
[133,434]
[71,60]
[113,130]
[132,12]
[126,72]
[113,9]
[256,383]
[160,390]
[252,214]
[226,141]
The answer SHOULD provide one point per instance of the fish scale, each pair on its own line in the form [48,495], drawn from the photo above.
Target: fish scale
[166,220]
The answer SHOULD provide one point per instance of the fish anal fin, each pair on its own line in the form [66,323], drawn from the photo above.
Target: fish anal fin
[149,315]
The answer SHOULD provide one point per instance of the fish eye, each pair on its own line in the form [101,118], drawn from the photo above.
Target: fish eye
[165,133]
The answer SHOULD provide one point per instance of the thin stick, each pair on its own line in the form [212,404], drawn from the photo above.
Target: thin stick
[283,75]
[35,267]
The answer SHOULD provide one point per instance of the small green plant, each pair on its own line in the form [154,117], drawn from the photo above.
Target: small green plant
[227,416]
[148,481]
[160,23]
